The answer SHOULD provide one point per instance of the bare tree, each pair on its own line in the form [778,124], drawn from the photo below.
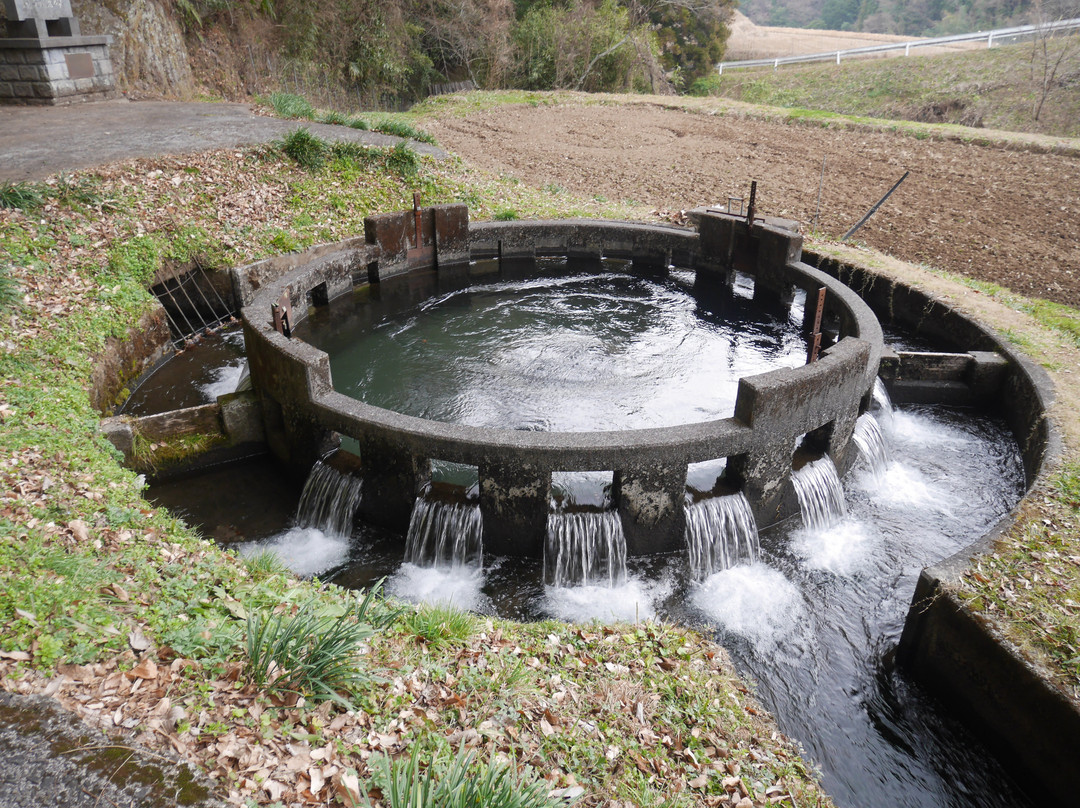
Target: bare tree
[1050,50]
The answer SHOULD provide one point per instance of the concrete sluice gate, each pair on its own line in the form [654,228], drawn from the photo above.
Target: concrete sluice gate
[782,418]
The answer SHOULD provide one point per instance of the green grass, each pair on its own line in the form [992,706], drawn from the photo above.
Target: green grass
[422,780]
[313,652]
[982,87]
[22,195]
[308,150]
[440,625]
[288,105]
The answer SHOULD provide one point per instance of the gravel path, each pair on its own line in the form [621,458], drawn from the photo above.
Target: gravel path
[48,757]
[38,141]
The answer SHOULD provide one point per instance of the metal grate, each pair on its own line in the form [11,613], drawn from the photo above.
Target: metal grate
[192,305]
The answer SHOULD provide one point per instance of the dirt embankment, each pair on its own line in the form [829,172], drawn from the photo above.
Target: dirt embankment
[1009,217]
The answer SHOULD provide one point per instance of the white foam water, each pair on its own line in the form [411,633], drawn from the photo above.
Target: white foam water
[871,444]
[720,533]
[632,601]
[225,380]
[306,551]
[459,586]
[754,601]
[585,548]
[846,548]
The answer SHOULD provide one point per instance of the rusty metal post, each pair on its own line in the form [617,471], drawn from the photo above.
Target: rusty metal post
[417,220]
[752,205]
[815,334]
[282,312]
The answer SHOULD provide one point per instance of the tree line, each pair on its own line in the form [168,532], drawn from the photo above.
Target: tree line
[403,47]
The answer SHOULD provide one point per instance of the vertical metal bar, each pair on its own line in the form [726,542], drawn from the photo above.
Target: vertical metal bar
[209,306]
[179,308]
[224,306]
[182,286]
[752,205]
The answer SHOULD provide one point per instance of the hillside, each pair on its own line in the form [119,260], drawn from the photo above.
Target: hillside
[997,88]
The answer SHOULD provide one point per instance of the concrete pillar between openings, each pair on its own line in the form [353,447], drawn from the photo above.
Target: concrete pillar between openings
[391,481]
[842,448]
[514,505]
[764,477]
[650,502]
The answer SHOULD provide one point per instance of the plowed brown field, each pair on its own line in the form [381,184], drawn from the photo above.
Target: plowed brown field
[1006,216]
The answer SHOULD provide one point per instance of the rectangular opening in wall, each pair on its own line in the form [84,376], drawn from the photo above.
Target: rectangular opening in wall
[708,479]
[318,296]
[581,491]
[812,446]
[455,481]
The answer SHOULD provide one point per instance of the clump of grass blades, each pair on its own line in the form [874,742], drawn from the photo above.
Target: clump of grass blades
[506,215]
[308,150]
[265,564]
[402,129]
[440,625]
[289,105]
[310,654]
[1068,484]
[402,160]
[85,192]
[22,195]
[334,117]
[359,123]
[9,289]
[356,153]
[453,784]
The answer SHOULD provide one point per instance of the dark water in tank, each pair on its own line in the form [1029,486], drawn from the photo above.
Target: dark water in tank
[563,351]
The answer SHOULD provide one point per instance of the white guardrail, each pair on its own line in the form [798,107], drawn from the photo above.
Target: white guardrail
[990,37]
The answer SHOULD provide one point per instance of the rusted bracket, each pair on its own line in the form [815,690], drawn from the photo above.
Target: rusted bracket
[282,311]
[815,334]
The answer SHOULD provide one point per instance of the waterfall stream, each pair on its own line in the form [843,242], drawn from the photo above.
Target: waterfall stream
[720,533]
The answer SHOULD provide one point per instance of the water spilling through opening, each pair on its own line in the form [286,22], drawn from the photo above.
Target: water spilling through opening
[821,496]
[585,548]
[720,533]
[444,533]
[871,444]
[329,500]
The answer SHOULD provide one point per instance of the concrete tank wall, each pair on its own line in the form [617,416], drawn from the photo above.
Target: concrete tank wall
[773,411]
